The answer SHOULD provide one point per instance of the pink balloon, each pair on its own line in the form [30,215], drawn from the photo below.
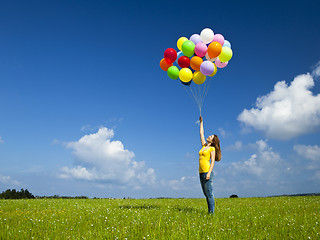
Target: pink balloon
[220,64]
[201,49]
[218,38]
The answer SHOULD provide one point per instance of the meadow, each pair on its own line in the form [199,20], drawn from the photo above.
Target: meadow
[242,218]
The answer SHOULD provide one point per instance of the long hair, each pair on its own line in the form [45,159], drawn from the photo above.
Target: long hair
[216,144]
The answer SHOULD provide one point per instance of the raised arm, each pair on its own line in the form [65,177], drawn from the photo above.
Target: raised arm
[203,141]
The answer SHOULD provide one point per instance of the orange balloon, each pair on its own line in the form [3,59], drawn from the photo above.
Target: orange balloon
[164,64]
[195,63]
[214,49]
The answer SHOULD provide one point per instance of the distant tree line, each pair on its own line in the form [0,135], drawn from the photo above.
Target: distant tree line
[25,194]
[298,195]
[14,194]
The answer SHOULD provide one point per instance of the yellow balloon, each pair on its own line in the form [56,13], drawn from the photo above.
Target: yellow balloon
[226,54]
[185,75]
[198,77]
[215,71]
[180,42]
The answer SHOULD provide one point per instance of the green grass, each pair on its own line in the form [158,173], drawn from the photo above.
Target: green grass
[243,218]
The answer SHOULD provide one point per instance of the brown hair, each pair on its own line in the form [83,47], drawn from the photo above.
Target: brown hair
[216,144]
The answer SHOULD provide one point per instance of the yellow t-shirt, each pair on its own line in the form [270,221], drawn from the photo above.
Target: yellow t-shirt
[204,159]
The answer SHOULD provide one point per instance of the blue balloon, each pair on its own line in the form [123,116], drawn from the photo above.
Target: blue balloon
[179,54]
[226,44]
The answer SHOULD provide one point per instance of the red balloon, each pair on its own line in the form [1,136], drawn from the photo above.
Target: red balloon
[184,62]
[170,55]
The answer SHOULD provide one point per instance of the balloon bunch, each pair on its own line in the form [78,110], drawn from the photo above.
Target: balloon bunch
[198,57]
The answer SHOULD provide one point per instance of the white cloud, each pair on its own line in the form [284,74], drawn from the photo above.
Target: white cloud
[236,146]
[181,184]
[55,142]
[309,153]
[87,128]
[79,172]
[265,163]
[1,140]
[7,180]
[262,173]
[316,71]
[222,132]
[287,111]
[98,158]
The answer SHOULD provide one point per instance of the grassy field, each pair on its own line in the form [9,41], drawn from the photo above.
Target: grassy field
[243,218]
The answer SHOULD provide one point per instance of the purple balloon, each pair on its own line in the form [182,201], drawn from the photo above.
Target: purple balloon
[220,64]
[195,38]
[207,68]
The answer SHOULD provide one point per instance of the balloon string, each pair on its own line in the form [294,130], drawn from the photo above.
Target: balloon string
[202,92]
[206,88]
[198,92]
[195,95]
[199,99]
[188,92]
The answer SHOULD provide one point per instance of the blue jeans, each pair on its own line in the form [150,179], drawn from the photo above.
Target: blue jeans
[207,187]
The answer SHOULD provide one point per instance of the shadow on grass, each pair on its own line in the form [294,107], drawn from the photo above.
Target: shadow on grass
[152,207]
[145,207]
[187,209]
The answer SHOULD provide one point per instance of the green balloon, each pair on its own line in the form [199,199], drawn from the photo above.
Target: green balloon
[173,72]
[188,48]
[226,54]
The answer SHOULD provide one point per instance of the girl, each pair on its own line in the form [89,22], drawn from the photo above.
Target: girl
[210,150]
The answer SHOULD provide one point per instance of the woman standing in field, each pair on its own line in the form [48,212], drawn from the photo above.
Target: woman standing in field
[210,151]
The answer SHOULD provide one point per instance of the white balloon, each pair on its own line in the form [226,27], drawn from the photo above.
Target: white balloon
[206,35]
[210,59]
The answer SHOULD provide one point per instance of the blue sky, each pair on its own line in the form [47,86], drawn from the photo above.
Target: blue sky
[86,110]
